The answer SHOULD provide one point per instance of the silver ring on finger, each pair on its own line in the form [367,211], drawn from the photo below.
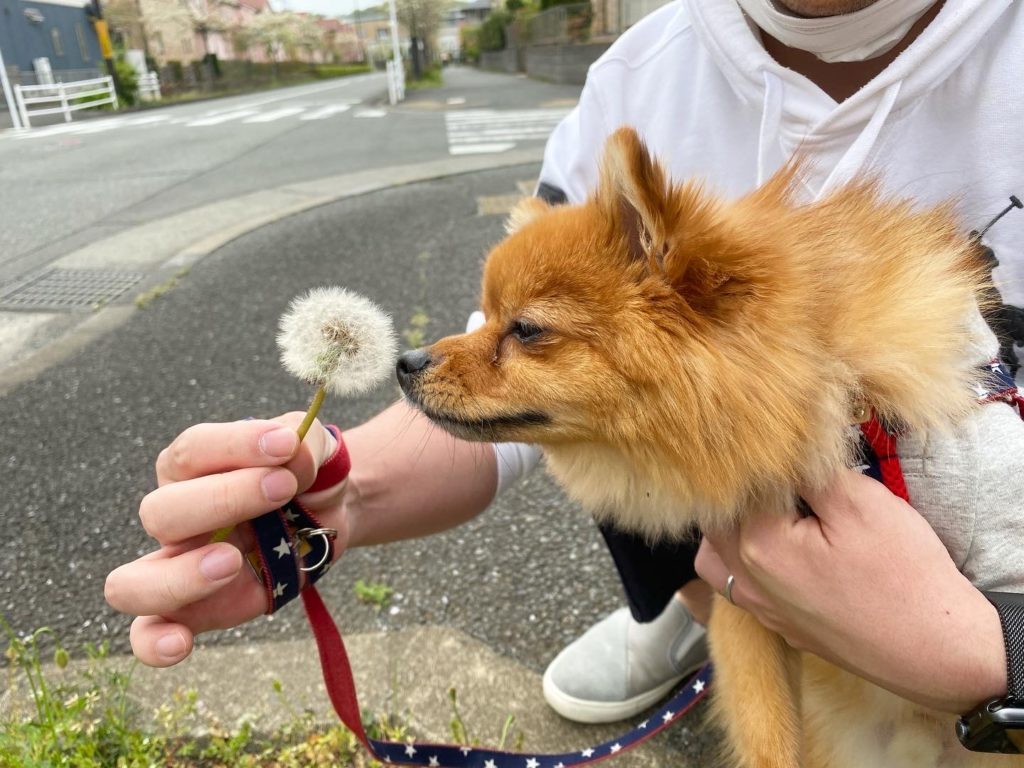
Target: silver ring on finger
[727,589]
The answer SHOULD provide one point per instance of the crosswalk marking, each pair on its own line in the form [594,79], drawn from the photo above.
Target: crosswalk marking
[481,149]
[323,112]
[53,130]
[246,114]
[275,114]
[468,131]
[98,126]
[148,120]
[223,117]
[485,131]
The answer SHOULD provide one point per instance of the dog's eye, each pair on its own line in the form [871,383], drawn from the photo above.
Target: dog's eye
[524,330]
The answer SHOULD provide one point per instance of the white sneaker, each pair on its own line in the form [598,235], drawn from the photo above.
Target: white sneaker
[619,667]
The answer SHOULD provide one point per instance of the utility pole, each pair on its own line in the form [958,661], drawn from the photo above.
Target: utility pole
[106,49]
[397,92]
[9,94]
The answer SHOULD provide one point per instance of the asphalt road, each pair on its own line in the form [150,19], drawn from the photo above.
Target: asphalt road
[78,443]
[64,186]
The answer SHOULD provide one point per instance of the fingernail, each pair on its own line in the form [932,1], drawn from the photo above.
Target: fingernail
[279,444]
[171,646]
[278,485]
[218,564]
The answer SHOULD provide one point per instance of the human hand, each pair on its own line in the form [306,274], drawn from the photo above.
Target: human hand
[210,477]
[866,584]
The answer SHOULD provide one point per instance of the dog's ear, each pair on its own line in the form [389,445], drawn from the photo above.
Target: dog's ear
[525,211]
[632,194]
[666,227]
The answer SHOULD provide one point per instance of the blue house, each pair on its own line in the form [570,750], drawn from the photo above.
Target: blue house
[60,31]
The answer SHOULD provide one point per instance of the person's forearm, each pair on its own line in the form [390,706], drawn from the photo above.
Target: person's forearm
[410,478]
[968,664]
[958,664]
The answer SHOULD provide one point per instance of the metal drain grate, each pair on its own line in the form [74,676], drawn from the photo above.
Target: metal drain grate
[65,289]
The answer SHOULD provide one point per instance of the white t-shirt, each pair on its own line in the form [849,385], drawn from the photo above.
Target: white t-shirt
[944,120]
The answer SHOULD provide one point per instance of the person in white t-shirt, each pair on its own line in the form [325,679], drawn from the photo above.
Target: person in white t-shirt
[924,94]
[930,97]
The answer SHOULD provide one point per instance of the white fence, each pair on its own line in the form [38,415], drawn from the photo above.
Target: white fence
[69,97]
[149,86]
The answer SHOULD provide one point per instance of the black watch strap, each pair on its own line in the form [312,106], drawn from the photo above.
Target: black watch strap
[1011,614]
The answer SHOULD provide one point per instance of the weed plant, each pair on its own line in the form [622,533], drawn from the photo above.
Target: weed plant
[81,715]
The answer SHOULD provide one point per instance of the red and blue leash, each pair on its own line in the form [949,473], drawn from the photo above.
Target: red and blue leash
[295,550]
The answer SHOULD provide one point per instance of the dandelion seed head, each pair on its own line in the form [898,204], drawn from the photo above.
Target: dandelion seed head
[335,338]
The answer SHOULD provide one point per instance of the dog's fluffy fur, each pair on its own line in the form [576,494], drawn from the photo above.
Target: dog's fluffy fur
[683,360]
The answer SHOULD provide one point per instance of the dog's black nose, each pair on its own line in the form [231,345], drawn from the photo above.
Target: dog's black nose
[412,362]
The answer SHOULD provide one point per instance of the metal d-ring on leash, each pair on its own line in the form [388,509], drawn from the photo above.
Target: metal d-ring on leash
[328,534]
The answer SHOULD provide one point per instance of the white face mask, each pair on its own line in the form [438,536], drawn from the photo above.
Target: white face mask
[855,36]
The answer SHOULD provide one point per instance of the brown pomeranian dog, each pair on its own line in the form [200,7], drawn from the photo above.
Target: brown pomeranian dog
[685,360]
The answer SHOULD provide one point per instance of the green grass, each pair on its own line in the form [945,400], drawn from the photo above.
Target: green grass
[431,78]
[377,595]
[82,715]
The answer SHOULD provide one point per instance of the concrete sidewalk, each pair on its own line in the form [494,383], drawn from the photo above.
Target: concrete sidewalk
[408,673]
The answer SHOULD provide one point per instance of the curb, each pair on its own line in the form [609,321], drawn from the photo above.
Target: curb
[407,673]
[164,246]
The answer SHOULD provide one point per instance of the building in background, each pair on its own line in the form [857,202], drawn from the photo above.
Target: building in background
[341,41]
[449,45]
[48,41]
[475,11]
[373,29]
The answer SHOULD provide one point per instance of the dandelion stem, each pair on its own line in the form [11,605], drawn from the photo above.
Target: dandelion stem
[314,409]
[307,422]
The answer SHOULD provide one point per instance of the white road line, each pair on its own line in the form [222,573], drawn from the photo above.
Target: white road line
[42,133]
[473,115]
[89,126]
[98,126]
[480,149]
[501,133]
[370,113]
[148,120]
[482,131]
[324,112]
[221,118]
[275,114]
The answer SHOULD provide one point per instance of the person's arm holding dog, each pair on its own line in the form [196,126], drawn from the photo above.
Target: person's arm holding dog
[408,479]
[866,584]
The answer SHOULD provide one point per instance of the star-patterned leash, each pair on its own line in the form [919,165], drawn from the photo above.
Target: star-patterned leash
[341,690]
[292,535]
[291,543]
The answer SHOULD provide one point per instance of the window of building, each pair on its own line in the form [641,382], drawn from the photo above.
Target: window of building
[83,46]
[58,43]
[383,33]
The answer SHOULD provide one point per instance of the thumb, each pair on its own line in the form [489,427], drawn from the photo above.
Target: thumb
[314,451]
